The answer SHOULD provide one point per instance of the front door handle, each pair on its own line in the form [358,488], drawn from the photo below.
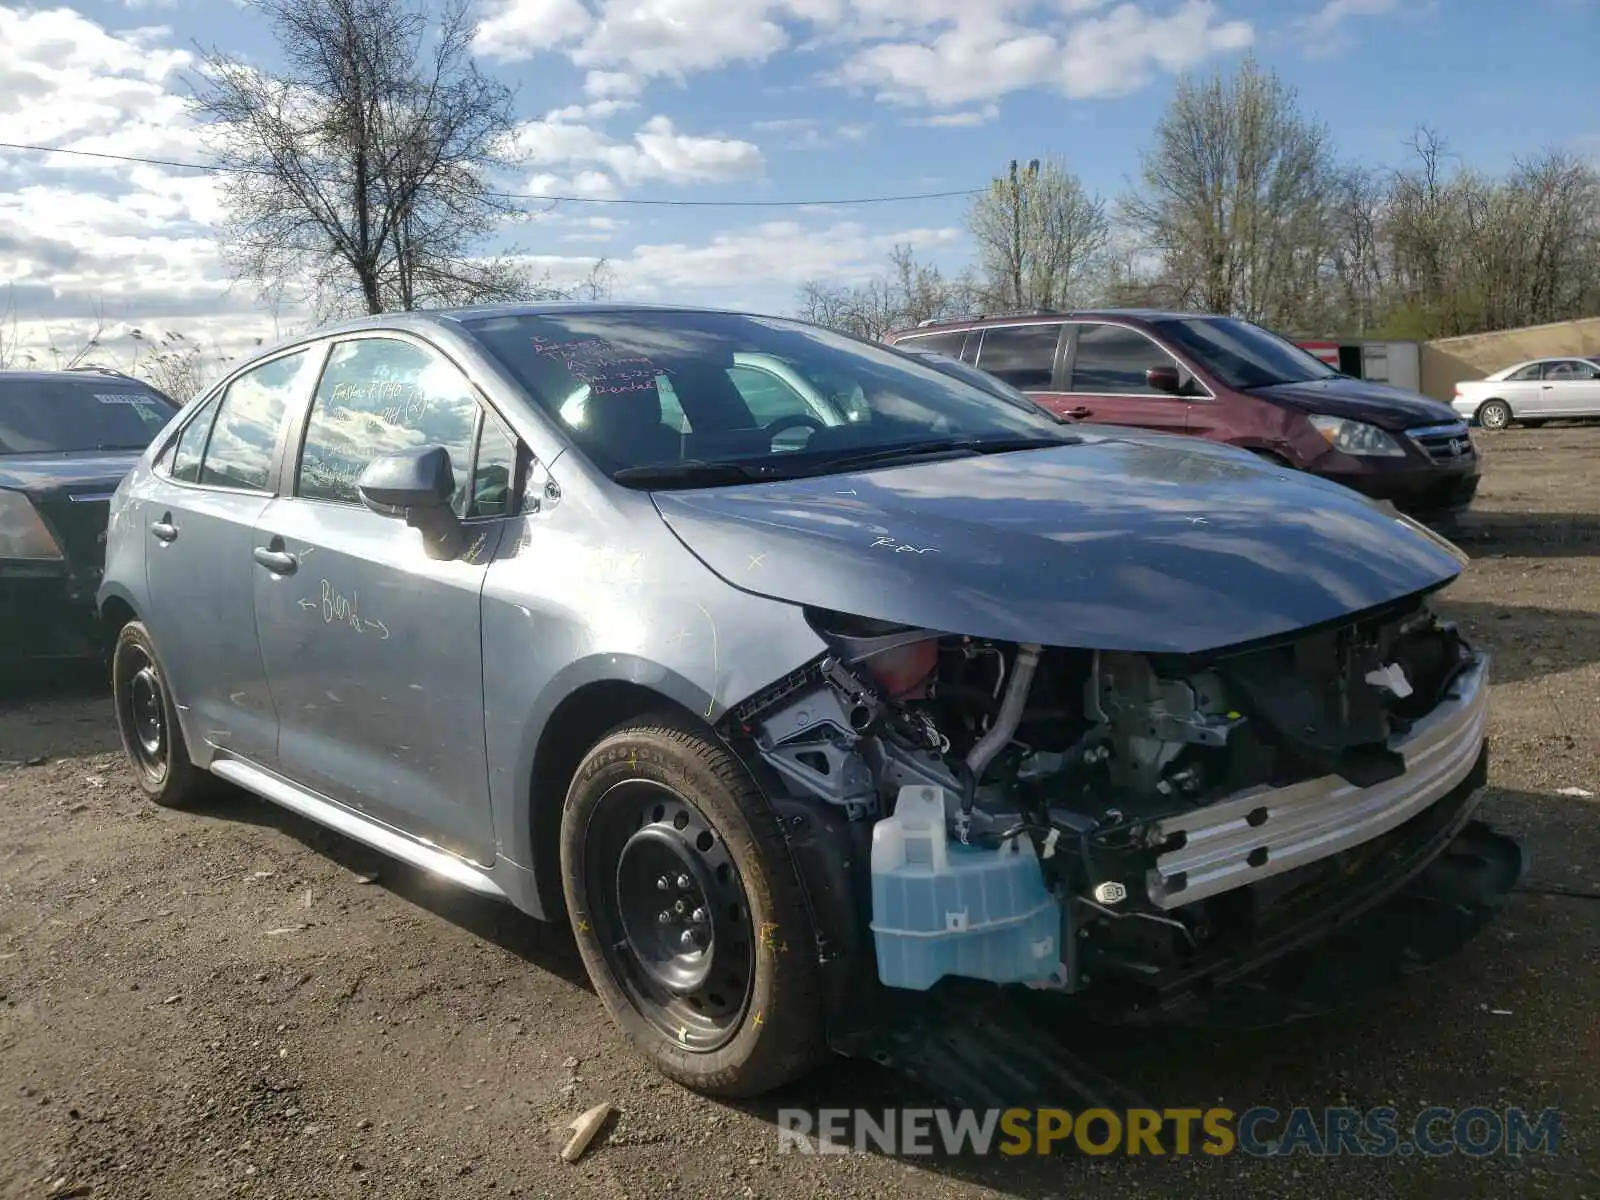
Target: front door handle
[164,530]
[279,562]
[1078,413]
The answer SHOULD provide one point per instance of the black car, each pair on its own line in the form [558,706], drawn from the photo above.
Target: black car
[66,440]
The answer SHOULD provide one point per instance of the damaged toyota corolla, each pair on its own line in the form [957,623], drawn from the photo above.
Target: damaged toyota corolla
[805,680]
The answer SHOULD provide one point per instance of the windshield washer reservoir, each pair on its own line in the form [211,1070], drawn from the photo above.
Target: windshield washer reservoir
[946,909]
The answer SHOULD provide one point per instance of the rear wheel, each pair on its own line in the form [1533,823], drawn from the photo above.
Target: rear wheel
[688,911]
[147,721]
[1494,414]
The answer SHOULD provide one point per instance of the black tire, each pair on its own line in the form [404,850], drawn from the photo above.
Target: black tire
[147,719]
[716,983]
[1494,414]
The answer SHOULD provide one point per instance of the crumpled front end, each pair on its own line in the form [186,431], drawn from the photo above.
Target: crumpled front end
[1077,820]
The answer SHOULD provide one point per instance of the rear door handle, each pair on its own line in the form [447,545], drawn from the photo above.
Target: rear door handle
[279,562]
[1079,413]
[164,530]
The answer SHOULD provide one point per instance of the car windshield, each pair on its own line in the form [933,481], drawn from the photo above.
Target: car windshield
[1243,355]
[62,416]
[647,393]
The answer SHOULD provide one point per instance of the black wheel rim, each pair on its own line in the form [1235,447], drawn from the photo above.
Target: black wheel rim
[143,698]
[669,909]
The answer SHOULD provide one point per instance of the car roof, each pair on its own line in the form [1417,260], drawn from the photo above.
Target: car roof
[87,373]
[443,316]
[979,320]
[418,320]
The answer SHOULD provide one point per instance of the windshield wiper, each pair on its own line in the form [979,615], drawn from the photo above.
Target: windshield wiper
[979,445]
[688,472]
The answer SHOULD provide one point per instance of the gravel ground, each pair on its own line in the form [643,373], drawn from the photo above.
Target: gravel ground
[233,1002]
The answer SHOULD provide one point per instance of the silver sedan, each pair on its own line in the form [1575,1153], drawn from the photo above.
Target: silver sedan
[1532,393]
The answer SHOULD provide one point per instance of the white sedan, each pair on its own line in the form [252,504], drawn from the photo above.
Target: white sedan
[1532,393]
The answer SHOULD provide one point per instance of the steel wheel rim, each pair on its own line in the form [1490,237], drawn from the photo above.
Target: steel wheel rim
[669,909]
[147,723]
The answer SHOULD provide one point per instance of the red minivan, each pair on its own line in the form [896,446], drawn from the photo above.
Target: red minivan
[1230,381]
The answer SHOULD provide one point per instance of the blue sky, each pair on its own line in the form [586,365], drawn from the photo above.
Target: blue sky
[769,100]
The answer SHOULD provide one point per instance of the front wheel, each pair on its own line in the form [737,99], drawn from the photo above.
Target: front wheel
[688,911]
[1494,414]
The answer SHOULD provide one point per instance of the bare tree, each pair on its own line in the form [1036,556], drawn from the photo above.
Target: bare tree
[1041,238]
[363,166]
[1238,199]
[911,291]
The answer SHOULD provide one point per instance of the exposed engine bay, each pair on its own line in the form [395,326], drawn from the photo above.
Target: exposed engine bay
[1169,801]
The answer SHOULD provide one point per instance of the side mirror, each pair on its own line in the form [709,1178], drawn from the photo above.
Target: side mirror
[418,486]
[1164,379]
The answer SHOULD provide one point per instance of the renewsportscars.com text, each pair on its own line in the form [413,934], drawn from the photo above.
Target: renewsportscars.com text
[1260,1132]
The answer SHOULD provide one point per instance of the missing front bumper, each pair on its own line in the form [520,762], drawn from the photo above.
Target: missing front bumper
[1266,832]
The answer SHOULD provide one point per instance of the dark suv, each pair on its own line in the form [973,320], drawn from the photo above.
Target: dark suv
[66,440]
[1230,381]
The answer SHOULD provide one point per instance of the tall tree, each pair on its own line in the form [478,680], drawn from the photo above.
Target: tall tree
[1238,198]
[363,166]
[1041,238]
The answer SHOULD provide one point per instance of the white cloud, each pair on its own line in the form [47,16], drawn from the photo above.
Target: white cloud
[65,81]
[611,84]
[82,235]
[596,110]
[988,55]
[965,117]
[1324,31]
[1119,52]
[773,257]
[807,133]
[585,185]
[657,153]
[674,37]
[514,29]
[936,53]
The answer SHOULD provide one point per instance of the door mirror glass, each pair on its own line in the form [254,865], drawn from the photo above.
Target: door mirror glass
[420,486]
[1164,379]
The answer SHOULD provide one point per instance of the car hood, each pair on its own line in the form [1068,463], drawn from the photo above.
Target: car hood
[1115,544]
[1375,403]
[89,471]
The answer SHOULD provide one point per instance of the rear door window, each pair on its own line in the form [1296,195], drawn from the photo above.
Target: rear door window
[1111,361]
[191,447]
[1527,373]
[1022,355]
[936,343]
[245,435]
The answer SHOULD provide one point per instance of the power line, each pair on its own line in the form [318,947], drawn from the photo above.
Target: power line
[836,203]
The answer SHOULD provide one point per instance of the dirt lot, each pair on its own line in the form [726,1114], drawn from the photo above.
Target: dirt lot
[228,1003]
